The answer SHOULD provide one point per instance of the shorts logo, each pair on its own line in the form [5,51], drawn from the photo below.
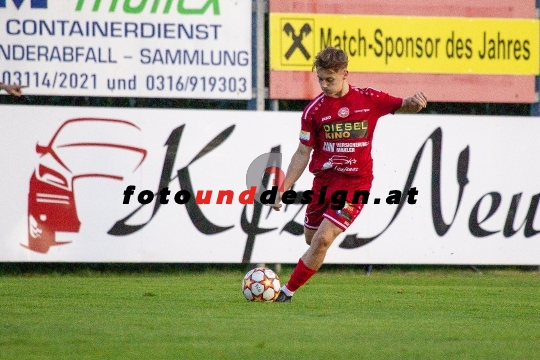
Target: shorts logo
[304,135]
[346,212]
[343,112]
[344,215]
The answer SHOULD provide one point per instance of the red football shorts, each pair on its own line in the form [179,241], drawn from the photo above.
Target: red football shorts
[321,206]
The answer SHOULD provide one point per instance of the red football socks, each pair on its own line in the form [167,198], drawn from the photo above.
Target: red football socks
[300,275]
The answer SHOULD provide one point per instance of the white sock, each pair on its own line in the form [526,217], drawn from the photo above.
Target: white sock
[287,291]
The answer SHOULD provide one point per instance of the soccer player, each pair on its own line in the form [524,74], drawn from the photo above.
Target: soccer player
[12,89]
[337,126]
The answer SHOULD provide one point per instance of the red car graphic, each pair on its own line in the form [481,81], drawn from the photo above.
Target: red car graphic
[338,160]
[80,148]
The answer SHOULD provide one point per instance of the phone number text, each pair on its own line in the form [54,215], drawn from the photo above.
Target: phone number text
[52,80]
[196,83]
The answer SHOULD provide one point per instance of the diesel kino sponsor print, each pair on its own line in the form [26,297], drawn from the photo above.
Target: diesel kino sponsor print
[346,130]
[475,198]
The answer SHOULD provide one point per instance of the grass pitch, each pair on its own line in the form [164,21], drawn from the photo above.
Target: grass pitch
[339,314]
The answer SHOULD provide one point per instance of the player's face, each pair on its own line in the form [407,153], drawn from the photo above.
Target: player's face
[333,83]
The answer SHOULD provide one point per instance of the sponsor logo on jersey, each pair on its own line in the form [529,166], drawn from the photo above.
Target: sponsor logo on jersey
[353,144]
[326,118]
[338,160]
[346,169]
[361,110]
[343,147]
[346,130]
[343,112]
[329,146]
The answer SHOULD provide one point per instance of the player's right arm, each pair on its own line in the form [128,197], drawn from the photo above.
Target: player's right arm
[298,164]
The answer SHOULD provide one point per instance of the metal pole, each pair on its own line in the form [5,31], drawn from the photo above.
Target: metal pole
[535,107]
[261,9]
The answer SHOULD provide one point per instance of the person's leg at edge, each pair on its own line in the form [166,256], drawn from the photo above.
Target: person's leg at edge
[319,242]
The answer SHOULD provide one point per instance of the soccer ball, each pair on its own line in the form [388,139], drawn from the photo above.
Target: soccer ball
[261,284]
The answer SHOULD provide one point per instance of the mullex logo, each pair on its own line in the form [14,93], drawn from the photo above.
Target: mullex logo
[297,42]
[346,130]
[153,6]
[34,4]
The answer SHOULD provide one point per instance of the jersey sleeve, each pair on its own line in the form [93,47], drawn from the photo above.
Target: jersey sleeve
[307,129]
[385,103]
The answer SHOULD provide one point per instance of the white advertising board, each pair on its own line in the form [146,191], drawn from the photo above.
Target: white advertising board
[64,173]
[129,48]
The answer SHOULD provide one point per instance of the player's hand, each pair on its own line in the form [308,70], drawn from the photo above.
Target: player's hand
[13,89]
[417,102]
[277,205]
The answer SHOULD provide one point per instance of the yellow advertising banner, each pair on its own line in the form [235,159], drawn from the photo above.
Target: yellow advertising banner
[402,44]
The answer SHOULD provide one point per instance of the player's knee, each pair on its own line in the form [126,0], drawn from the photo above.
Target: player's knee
[322,241]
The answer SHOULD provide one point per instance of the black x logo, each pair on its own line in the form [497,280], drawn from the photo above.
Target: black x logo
[297,39]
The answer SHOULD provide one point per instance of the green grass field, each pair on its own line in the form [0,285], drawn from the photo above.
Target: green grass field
[339,314]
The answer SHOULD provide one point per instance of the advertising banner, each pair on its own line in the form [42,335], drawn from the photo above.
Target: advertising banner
[145,185]
[437,45]
[454,51]
[129,48]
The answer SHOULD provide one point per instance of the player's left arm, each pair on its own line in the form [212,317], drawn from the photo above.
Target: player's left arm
[413,104]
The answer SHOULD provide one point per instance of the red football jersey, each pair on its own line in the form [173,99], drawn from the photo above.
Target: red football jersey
[340,130]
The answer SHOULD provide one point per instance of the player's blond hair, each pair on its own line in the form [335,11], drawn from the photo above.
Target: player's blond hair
[331,59]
